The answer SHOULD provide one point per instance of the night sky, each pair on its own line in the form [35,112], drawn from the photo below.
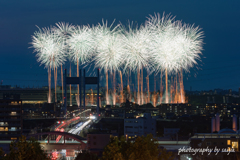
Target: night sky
[219,19]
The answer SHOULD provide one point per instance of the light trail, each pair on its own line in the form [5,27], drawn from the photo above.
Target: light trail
[81,127]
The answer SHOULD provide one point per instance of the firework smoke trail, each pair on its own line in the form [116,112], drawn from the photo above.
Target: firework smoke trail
[148,93]
[171,89]
[161,88]
[128,86]
[50,50]
[63,30]
[138,93]
[62,84]
[121,87]
[154,93]
[182,88]
[49,85]
[130,82]
[135,96]
[166,83]
[141,84]
[189,44]
[129,93]
[70,86]
[55,82]
[91,97]
[137,55]
[81,47]
[77,97]
[175,46]
[109,50]
[179,87]
[107,98]
[176,90]
[162,46]
[114,89]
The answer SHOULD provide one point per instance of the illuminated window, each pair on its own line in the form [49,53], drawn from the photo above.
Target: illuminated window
[1,128]
[228,142]
[13,128]
[13,138]
[13,113]
[235,145]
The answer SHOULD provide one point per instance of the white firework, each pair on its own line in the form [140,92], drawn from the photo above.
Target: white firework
[49,47]
[50,52]
[162,48]
[109,48]
[175,46]
[64,31]
[190,41]
[137,56]
[81,44]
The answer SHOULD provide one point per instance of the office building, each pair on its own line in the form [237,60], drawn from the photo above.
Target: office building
[10,119]
[141,126]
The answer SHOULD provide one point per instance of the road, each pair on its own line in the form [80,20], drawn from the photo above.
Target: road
[77,128]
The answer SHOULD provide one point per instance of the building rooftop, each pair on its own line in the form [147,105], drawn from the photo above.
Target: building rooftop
[226,130]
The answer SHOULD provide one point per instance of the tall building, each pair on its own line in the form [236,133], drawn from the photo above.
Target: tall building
[141,126]
[178,109]
[27,95]
[230,92]
[10,119]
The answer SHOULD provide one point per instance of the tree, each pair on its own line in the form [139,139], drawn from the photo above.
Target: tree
[86,156]
[1,153]
[26,150]
[112,151]
[143,148]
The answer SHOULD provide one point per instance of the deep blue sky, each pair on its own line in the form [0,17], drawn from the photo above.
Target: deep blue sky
[219,19]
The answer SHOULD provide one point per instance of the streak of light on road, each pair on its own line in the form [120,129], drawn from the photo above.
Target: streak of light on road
[75,131]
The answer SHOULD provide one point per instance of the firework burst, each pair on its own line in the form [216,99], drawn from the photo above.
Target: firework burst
[110,48]
[50,52]
[49,47]
[136,43]
[81,44]
[162,45]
